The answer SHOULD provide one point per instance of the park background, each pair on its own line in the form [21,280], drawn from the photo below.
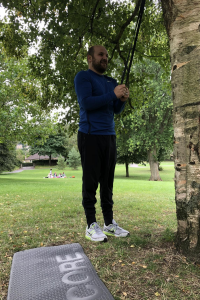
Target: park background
[40,212]
[43,45]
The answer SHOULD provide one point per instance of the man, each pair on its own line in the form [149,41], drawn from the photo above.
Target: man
[99,97]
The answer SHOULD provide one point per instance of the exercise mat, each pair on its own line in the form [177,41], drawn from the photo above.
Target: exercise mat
[55,273]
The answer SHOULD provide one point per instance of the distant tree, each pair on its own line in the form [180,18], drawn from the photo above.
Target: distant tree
[20,155]
[70,141]
[25,150]
[53,146]
[61,164]
[125,153]
[74,159]
[148,129]
[8,159]
[153,124]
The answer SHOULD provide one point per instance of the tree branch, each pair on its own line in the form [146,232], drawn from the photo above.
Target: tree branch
[128,21]
[120,54]
[93,13]
[80,46]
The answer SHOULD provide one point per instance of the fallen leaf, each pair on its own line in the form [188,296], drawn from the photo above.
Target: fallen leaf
[157,294]
[132,246]
[133,262]
[125,294]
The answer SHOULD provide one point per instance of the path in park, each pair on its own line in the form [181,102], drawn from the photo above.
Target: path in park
[32,168]
[22,169]
[133,165]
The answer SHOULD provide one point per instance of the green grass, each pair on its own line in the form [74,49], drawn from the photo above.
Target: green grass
[38,212]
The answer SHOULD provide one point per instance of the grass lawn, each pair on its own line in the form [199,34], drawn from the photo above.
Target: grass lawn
[38,212]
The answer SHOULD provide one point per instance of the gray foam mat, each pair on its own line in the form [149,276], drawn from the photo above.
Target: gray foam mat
[55,273]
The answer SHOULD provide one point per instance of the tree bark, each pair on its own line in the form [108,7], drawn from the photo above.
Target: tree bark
[154,165]
[183,26]
[50,160]
[127,170]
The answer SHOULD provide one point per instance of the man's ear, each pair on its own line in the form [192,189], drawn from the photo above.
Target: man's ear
[89,58]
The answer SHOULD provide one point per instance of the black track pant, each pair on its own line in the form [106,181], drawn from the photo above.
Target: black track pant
[98,159]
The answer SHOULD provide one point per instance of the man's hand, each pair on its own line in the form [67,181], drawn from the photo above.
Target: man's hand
[122,92]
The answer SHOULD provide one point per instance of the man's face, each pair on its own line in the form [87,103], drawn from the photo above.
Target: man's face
[100,59]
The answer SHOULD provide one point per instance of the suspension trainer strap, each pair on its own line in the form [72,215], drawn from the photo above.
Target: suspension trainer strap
[133,45]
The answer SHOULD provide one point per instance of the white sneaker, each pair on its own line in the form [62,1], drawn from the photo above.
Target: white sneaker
[94,233]
[114,230]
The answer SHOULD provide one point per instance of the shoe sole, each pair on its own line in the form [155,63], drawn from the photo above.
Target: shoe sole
[112,234]
[99,240]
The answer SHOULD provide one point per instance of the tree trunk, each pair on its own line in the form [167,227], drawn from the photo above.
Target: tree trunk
[50,160]
[183,26]
[155,176]
[127,170]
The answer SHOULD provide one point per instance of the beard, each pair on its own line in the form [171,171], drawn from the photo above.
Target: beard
[101,66]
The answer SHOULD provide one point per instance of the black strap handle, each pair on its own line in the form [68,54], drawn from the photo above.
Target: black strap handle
[133,45]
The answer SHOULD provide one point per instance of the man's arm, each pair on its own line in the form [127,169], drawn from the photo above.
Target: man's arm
[122,94]
[83,89]
[118,106]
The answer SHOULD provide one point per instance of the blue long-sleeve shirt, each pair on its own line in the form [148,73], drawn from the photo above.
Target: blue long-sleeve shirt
[97,102]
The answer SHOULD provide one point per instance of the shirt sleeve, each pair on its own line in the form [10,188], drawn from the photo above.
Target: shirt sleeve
[83,88]
[118,106]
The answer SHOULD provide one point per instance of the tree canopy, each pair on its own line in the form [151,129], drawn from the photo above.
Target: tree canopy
[147,132]
[21,116]
[62,31]
[8,159]
[53,146]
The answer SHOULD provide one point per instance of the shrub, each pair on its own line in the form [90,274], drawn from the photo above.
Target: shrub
[74,159]
[61,164]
